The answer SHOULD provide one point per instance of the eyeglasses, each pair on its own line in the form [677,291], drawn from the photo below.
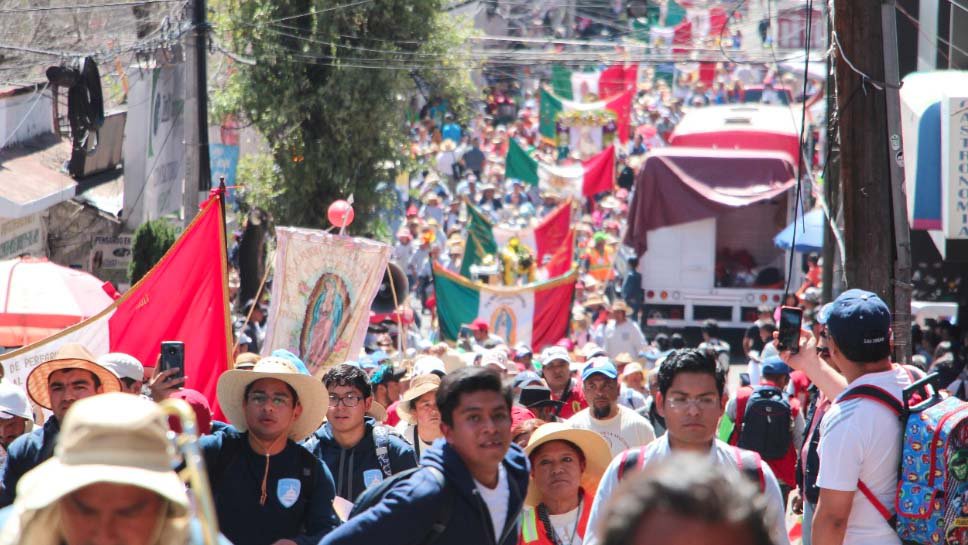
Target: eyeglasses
[704,403]
[349,400]
[261,400]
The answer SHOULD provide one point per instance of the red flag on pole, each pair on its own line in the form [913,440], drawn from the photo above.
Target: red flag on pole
[599,173]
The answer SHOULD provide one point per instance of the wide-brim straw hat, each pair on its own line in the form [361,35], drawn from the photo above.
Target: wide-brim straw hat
[593,446]
[312,394]
[69,356]
[112,438]
[420,385]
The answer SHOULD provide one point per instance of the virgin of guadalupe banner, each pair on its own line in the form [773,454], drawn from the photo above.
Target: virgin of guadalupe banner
[321,295]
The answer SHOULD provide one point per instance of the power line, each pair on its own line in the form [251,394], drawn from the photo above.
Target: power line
[85,6]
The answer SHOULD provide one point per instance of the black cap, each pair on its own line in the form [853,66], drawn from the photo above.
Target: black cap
[534,397]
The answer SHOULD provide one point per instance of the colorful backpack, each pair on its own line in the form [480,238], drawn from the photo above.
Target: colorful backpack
[932,493]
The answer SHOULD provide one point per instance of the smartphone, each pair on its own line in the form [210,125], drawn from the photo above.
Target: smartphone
[791,319]
[173,357]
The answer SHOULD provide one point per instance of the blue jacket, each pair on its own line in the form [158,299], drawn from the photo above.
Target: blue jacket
[299,491]
[407,513]
[358,467]
[25,453]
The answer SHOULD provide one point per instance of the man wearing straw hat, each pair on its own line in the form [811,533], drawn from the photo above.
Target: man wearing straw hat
[71,375]
[621,334]
[110,482]
[268,490]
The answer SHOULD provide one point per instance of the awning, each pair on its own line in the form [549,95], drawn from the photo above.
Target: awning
[809,233]
[680,185]
[742,126]
[29,180]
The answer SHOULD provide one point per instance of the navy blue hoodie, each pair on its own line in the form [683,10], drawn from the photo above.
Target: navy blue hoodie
[358,467]
[407,513]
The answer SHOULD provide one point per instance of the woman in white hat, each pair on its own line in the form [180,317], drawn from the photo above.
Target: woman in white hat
[566,465]
[419,417]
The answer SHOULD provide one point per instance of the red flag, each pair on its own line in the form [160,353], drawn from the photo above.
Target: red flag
[550,234]
[632,77]
[612,81]
[621,106]
[552,306]
[182,298]
[599,173]
[561,260]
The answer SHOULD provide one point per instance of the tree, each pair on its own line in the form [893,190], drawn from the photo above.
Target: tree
[151,240]
[329,89]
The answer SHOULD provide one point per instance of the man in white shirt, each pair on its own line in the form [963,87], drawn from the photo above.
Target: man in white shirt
[859,437]
[621,335]
[621,427]
[691,397]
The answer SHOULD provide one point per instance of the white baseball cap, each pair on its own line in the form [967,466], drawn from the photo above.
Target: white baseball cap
[13,402]
[123,365]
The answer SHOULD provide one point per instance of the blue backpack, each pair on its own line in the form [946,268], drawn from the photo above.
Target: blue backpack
[932,492]
[766,423]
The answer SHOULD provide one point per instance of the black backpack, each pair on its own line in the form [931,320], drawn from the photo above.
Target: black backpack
[766,425]
[375,494]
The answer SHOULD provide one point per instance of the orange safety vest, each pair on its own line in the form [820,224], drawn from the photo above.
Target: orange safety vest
[532,530]
[600,264]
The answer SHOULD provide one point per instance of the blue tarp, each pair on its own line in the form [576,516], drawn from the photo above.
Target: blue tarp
[809,230]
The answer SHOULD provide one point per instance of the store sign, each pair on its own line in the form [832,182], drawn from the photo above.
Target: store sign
[110,257]
[27,235]
[954,171]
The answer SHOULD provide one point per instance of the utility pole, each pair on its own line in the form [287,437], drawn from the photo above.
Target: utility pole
[198,175]
[872,195]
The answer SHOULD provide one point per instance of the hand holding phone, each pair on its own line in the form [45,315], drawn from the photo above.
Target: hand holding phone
[791,321]
[173,358]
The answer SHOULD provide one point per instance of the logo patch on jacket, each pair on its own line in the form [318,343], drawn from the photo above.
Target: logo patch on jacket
[288,491]
[372,477]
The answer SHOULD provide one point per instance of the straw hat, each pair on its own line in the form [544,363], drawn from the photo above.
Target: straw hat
[419,386]
[377,411]
[246,360]
[312,394]
[620,305]
[623,359]
[69,356]
[593,446]
[112,438]
[594,300]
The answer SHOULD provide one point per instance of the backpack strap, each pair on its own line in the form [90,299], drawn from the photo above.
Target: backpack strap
[874,393]
[381,439]
[750,464]
[742,400]
[881,508]
[564,399]
[446,509]
[632,459]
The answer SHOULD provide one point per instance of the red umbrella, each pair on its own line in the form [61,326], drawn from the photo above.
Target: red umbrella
[39,298]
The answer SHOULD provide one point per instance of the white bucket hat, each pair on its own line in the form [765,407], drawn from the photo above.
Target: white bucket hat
[13,402]
[311,392]
[110,438]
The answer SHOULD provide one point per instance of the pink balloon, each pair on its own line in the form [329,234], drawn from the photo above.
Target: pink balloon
[340,213]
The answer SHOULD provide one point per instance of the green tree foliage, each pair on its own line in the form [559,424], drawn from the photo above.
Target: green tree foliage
[329,90]
[151,240]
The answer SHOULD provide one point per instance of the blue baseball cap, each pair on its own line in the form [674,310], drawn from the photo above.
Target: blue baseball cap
[775,366]
[526,377]
[860,323]
[600,365]
[285,354]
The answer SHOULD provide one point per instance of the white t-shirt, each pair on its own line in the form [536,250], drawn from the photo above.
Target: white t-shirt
[625,337]
[566,526]
[496,500]
[860,440]
[623,431]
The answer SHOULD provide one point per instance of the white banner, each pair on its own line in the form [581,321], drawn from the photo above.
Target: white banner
[321,295]
[510,316]
[27,235]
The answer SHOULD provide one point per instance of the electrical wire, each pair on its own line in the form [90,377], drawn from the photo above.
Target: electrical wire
[85,7]
[26,116]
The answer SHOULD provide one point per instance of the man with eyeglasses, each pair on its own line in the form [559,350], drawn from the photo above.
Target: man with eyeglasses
[621,426]
[691,398]
[269,490]
[358,451]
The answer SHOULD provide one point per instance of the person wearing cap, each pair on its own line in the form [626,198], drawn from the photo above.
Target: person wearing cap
[858,344]
[566,465]
[480,329]
[419,417]
[15,415]
[386,390]
[621,427]
[537,399]
[358,451]
[110,481]
[631,374]
[475,471]
[775,375]
[691,397]
[524,379]
[246,361]
[55,385]
[556,371]
[267,488]
[128,368]
[523,357]
[495,359]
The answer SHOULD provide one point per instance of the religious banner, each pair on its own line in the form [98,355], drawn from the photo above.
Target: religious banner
[321,295]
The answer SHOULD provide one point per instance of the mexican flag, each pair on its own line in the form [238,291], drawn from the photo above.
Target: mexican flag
[549,240]
[576,85]
[536,314]
[551,105]
[591,177]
